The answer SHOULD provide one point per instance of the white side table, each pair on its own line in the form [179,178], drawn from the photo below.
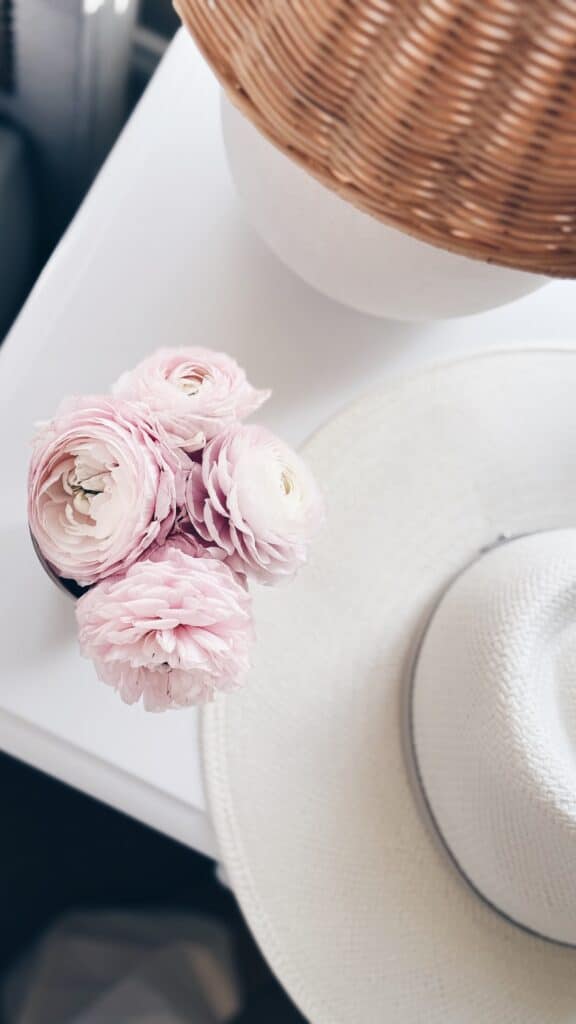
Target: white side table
[159,254]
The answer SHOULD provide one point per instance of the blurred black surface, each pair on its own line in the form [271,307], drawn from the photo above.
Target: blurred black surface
[62,850]
[159,16]
[269,1005]
[6,45]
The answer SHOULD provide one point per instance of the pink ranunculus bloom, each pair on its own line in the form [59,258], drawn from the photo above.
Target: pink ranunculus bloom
[193,392]
[254,497]
[103,487]
[173,629]
[185,537]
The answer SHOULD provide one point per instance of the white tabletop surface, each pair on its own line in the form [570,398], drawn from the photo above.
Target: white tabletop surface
[159,254]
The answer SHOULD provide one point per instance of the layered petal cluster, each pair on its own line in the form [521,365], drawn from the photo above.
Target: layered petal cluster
[255,498]
[173,629]
[194,392]
[103,487]
[162,505]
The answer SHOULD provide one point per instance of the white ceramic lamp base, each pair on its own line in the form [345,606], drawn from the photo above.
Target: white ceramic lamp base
[349,255]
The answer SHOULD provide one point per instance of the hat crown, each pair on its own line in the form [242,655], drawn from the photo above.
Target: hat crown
[494,728]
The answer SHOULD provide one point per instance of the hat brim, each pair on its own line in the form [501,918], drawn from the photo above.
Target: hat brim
[356,905]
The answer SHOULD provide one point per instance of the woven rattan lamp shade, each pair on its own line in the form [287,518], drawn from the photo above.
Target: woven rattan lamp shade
[453,120]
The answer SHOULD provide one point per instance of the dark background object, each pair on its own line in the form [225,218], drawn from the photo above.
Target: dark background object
[70,73]
[62,850]
[18,212]
[159,16]
[6,46]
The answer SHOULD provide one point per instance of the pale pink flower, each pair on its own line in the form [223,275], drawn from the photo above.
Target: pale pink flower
[255,498]
[193,392]
[102,487]
[187,540]
[173,629]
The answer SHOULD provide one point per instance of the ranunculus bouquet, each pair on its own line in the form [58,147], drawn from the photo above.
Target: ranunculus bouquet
[157,505]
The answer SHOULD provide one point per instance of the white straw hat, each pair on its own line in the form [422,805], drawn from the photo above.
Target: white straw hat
[394,793]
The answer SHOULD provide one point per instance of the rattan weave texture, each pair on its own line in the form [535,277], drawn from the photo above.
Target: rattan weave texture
[453,120]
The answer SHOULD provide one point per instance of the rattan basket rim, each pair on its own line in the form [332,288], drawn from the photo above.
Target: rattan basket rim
[526,214]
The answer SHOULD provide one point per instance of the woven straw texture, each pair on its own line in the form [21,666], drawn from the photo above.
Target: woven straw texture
[453,120]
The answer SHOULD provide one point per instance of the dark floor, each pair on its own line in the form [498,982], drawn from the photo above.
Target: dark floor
[61,850]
